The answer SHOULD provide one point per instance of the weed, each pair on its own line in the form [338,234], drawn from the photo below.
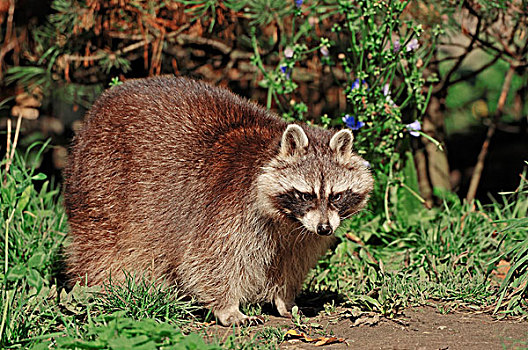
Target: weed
[116,331]
[513,291]
[252,309]
[34,229]
[272,336]
[266,338]
[330,308]
[140,298]
[297,318]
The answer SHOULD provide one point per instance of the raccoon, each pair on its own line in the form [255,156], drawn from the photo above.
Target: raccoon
[177,179]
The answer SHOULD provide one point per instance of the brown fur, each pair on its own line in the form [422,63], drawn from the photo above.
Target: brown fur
[162,181]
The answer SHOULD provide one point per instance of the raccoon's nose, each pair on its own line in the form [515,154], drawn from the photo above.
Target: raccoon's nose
[324,230]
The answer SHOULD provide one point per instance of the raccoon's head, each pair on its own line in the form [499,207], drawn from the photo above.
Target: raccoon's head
[316,182]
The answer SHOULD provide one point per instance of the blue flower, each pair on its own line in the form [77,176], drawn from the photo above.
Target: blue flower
[356,84]
[324,51]
[413,45]
[352,123]
[284,69]
[366,164]
[298,3]
[414,127]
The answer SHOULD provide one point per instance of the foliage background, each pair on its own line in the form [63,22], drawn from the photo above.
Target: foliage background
[434,90]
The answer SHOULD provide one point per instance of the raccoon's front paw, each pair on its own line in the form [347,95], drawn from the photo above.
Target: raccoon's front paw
[232,316]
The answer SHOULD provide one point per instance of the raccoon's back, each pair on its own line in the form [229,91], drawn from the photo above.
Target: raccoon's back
[160,159]
[172,132]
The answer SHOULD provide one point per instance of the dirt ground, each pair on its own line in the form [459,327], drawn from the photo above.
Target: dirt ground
[417,328]
[425,328]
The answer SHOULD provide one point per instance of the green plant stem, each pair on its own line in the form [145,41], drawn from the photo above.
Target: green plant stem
[4,313]
[386,198]
[423,201]
[258,59]
[386,202]
[258,62]
[8,145]
[6,241]
[433,140]
[426,103]
[6,266]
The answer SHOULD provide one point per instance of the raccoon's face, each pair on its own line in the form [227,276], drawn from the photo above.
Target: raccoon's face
[314,184]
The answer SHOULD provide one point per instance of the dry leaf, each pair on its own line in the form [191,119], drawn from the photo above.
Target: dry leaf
[329,340]
[319,341]
[293,333]
[60,157]
[502,269]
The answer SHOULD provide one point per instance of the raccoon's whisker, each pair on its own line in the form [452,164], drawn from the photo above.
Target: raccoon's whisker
[350,215]
[305,233]
[299,237]
[294,233]
[297,240]
[347,216]
[298,228]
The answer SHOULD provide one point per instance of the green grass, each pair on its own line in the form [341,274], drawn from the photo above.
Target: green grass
[141,299]
[444,256]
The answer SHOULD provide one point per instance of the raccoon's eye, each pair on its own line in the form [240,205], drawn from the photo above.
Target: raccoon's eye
[305,196]
[336,197]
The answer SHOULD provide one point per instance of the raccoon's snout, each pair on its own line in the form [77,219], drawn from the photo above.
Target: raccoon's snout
[324,230]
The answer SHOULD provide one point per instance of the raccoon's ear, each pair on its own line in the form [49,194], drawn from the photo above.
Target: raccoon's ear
[341,144]
[294,141]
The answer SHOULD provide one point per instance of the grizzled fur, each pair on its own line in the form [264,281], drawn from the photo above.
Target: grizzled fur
[179,179]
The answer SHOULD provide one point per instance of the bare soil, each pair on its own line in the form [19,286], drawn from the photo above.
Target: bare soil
[416,328]
[425,328]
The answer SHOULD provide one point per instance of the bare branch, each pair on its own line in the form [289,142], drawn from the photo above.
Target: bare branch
[476,72]
[461,58]
[475,178]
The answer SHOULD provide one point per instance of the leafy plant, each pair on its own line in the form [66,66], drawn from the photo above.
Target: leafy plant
[379,59]
[33,227]
[116,331]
